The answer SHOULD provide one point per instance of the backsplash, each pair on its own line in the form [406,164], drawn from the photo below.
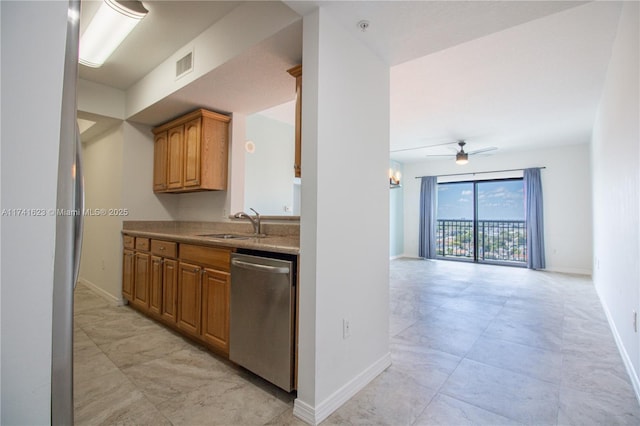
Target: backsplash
[282,229]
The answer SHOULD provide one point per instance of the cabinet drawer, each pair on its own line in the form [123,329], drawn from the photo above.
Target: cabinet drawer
[142,244]
[216,257]
[128,241]
[164,248]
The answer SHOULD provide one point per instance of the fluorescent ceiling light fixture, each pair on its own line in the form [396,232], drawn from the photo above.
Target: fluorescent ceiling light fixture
[111,24]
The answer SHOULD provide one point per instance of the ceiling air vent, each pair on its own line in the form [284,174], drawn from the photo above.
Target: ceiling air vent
[184,65]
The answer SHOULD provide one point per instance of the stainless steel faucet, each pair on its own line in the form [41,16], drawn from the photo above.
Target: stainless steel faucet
[257,227]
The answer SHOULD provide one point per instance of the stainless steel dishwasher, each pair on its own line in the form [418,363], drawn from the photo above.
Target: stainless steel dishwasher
[261,328]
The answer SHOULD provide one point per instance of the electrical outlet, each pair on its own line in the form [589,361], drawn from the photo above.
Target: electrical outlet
[346,329]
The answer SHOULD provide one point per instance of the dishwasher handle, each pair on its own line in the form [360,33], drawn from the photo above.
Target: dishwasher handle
[262,268]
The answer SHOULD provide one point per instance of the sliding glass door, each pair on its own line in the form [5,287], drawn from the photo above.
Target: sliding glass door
[482,221]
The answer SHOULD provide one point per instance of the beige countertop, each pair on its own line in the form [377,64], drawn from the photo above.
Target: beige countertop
[280,238]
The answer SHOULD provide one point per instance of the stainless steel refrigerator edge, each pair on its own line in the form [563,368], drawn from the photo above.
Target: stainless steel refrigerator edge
[70,197]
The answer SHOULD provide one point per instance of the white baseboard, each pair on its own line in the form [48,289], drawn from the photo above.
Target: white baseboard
[633,374]
[314,415]
[575,271]
[395,257]
[100,292]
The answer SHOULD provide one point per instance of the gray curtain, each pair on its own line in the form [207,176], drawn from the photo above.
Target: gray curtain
[428,212]
[535,220]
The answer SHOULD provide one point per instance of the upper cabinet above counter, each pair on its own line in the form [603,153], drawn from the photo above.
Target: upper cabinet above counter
[296,72]
[191,153]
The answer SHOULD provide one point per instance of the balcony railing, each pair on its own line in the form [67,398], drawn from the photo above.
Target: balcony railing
[498,240]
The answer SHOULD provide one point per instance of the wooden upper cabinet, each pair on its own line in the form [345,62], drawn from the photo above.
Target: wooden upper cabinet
[175,158]
[160,161]
[192,133]
[297,73]
[197,151]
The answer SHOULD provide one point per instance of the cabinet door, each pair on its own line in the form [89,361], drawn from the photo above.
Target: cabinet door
[215,308]
[192,132]
[155,285]
[127,274]
[160,158]
[141,278]
[297,166]
[189,298]
[170,289]
[297,73]
[175,153]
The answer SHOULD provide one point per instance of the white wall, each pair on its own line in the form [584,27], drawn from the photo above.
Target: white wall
[208,206]
[396,214]
[268,181]
[101,260]
[235,190]
[99,99]
[33,34]
[616,214]
[137,178]
[345,218]
[567,199]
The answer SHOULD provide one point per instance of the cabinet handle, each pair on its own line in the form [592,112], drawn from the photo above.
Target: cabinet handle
[161,247]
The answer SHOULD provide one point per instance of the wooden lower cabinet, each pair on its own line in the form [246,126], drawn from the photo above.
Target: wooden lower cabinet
[189,298]
[189,292]
[215,308]
[155,285]
[141,280]
[203,304]
[127,274]
[169,309]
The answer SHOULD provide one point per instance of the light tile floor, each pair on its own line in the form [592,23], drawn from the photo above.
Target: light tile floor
[470,345]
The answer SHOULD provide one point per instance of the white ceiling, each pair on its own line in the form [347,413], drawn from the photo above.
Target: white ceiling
[534,85]
[168,26]
[513,75]
[400,31]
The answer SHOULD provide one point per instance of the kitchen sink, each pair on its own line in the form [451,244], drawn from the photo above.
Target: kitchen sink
[226,236]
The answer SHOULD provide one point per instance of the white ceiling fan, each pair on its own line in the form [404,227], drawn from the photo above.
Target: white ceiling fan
[462,157]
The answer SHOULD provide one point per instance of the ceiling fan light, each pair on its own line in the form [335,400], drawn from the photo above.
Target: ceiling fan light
[462,158]
[111,24]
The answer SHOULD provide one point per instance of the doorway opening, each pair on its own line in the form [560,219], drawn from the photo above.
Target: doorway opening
[482,221]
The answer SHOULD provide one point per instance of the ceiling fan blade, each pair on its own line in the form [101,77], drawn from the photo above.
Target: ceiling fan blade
[422,147]
[478,151]
[440,155]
